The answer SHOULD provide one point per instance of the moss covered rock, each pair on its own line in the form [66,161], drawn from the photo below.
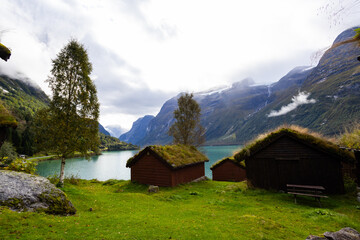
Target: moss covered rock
[26,192]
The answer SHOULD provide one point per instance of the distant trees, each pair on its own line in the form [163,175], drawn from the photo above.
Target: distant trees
[71,122]
[187,129]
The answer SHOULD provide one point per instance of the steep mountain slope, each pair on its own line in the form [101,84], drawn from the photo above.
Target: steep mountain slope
[138,130]
[20,97]
[324,98]
[103,130]
[333,84]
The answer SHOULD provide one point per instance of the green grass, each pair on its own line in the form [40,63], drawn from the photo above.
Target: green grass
[205,210]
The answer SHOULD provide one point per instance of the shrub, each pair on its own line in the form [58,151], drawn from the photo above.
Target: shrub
[349,184]
[7,153]
[21,165]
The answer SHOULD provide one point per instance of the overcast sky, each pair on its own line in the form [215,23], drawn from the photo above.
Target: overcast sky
[144,52]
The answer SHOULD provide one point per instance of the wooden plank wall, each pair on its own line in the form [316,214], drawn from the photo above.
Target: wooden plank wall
[149,170]
[188,174]
[229,171]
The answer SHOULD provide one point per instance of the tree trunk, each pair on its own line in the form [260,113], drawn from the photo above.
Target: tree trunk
[62,173]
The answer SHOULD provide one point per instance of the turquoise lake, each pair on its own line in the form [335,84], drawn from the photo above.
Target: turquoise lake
[112,165]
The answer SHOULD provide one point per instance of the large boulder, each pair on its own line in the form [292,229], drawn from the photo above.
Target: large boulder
[343,234]
[26,192]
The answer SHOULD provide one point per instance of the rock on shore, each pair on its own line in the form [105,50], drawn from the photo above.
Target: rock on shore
[26,192]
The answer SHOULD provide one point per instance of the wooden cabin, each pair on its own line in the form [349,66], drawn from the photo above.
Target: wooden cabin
[167,165]
[288,156]
[228,169]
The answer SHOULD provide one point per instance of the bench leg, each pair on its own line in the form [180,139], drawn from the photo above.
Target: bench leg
[295,198]
[318,200]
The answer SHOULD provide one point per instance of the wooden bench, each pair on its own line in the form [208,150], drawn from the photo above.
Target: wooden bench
[306,190]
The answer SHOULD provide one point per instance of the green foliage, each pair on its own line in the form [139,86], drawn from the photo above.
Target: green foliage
[70,124]
[351,138]
[6,119]
[187,129]
[7,153]
[357,35]
[349,184]
[109,143]
[175,155]
[22,165]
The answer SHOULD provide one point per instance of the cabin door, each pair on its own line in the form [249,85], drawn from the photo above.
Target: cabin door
[288,172]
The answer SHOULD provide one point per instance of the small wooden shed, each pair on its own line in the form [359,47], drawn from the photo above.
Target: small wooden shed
[167,165]
[228,169]
[294,156]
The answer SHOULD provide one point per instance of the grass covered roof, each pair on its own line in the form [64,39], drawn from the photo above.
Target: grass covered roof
[303,135]
[6,119]
[5,53]
[175,156]
[218,163]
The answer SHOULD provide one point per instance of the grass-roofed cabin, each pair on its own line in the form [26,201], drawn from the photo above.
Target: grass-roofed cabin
[292,155]
[167,166]
[228,169]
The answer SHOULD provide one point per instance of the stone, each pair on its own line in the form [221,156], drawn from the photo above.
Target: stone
[203,178]
[343,234]
[153,189]
[312,237]
[26,192]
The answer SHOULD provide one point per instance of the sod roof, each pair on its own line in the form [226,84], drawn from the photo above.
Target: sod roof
[175,156]
[303,135]
[4,52]
[221,161]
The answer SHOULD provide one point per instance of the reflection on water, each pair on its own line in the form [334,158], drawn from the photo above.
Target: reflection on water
[112,165]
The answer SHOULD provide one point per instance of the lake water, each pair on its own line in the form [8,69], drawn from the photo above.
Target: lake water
[112,165]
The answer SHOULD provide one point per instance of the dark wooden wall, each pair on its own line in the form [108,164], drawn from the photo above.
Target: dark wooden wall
[152,171]
[228,171]
[357,156]
[149,170]
[188,174]
[287,161]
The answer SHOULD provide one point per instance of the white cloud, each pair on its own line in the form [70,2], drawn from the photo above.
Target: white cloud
[144,51]
[300,99]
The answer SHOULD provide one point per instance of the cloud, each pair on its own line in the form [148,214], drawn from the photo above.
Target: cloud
[146,51]
[300,99]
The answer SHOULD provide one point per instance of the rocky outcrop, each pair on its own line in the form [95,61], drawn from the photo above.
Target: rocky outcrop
[26,192]
[343,234]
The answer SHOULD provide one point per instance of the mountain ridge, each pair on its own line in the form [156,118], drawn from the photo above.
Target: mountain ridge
[323,98]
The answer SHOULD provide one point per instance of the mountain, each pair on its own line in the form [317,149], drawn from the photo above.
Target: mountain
[323,98]
[137,131]
[115,130]
[103,130]
[21,98]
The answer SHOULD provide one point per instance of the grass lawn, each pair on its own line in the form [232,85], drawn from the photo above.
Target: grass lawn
[205,210]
